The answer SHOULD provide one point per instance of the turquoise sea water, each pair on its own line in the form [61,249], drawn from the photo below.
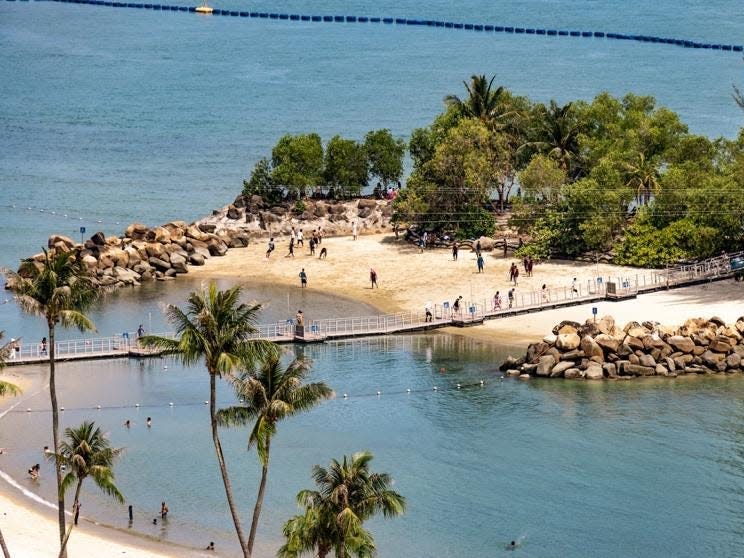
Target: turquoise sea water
[123,115]
[602,469]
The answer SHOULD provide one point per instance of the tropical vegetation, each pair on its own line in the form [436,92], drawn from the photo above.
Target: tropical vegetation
[300,165]
[86,453]
[59,290]
[620,174]
[270,394]
[218,328]
[347,494]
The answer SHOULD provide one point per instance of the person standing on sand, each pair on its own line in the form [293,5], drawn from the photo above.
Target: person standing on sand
[454,251]
[312,246]
[291,248]
[506,247]
[270,247]
[529,266]
[480,263]
[300,238]
[292,236]
[516,274]
[354,230]
[303,278]
[373,278]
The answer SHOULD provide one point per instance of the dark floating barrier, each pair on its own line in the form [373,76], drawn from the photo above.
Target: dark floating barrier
[684,43]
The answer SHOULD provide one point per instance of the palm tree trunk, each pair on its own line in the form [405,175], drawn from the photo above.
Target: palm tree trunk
[55,436]
[259,499]
[223,466]
[3,546]
[75,504]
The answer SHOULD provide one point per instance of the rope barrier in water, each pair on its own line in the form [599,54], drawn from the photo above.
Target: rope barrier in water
[345,397]
[478,27]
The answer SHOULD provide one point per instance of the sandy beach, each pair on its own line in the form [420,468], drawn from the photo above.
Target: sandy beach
[407,279]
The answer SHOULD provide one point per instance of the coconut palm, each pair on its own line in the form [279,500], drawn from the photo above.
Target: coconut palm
[558,132]
[6,388]
[59,290]
[643,176]
[218,328]
[86,452]
[270,394]
[347,495]
[483,101]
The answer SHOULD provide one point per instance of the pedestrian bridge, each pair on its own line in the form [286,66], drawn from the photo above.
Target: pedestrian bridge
[471,313]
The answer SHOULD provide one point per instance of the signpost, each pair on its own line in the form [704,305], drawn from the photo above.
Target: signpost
[594,313]
[82,232]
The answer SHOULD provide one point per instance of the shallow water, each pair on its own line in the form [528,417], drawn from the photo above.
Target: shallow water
[645,468]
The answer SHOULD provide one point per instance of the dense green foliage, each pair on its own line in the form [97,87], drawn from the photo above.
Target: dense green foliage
[613,173]
[300,166]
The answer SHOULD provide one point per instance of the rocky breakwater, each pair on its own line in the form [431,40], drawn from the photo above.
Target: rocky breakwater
[144,253]
[259,218]
[602,350]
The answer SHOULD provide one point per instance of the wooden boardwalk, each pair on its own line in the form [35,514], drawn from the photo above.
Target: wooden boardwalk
[472,313]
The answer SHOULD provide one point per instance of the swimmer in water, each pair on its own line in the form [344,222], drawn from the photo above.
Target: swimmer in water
[127,423]
[512,545]
[149,422]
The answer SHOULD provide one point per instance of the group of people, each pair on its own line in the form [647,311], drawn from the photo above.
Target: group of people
[513,274]
[297,238]
[498,302]
[527,263]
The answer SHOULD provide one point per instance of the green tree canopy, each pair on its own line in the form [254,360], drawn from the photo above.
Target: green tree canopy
[385,155]
[298,162]
[345,167]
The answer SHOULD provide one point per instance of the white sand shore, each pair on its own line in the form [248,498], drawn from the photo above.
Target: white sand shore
[407,279]
[31,532]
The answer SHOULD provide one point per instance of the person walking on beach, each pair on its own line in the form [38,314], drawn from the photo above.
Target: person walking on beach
[292,236]
[510,296]
[529,266]
[303,278]
[312,246]
[291,248]
[516,274]
[477,248]
[480,263]
[270,247]
[300,238]
[454,251]
[354,230]
[526,266]
[425,238]
[506,246]
[323,253]
[373,278]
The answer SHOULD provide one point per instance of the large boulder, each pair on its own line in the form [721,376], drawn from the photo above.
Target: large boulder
[590,348]
[574,325]
[99,239]
[572,373]
[647,360]
[558,370]
[594,372]
[608,343]
[511,362]
[720,345]
[638,370]
[196,259]
[234,213]
[367,203]
[606,325]
[178,263]
[545,365]
[90,262]
[681,343]
[157,263]
[136,231]
[154,250]
[60,243]
[733,361]
[133,256]
[126,276]
[217,247]
[567,341]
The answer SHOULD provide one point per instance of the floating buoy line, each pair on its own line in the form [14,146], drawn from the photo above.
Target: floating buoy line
[447,25]
[344,397]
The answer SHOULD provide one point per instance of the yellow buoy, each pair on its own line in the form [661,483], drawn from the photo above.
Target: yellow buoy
[204,9]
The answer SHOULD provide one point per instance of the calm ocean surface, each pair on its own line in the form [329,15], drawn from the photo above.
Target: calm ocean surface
[113,116]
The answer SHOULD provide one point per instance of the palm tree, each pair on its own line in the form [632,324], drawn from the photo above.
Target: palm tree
[482,101]
[348,494]
[59,290]
[6,388]
[217,327]
[558,136]
[86,453]
[643,176]
[271,394]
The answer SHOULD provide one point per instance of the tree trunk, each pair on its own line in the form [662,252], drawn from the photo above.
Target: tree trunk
[55,435]
[223,467]
[259,499]
[75,504]
[6,552]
